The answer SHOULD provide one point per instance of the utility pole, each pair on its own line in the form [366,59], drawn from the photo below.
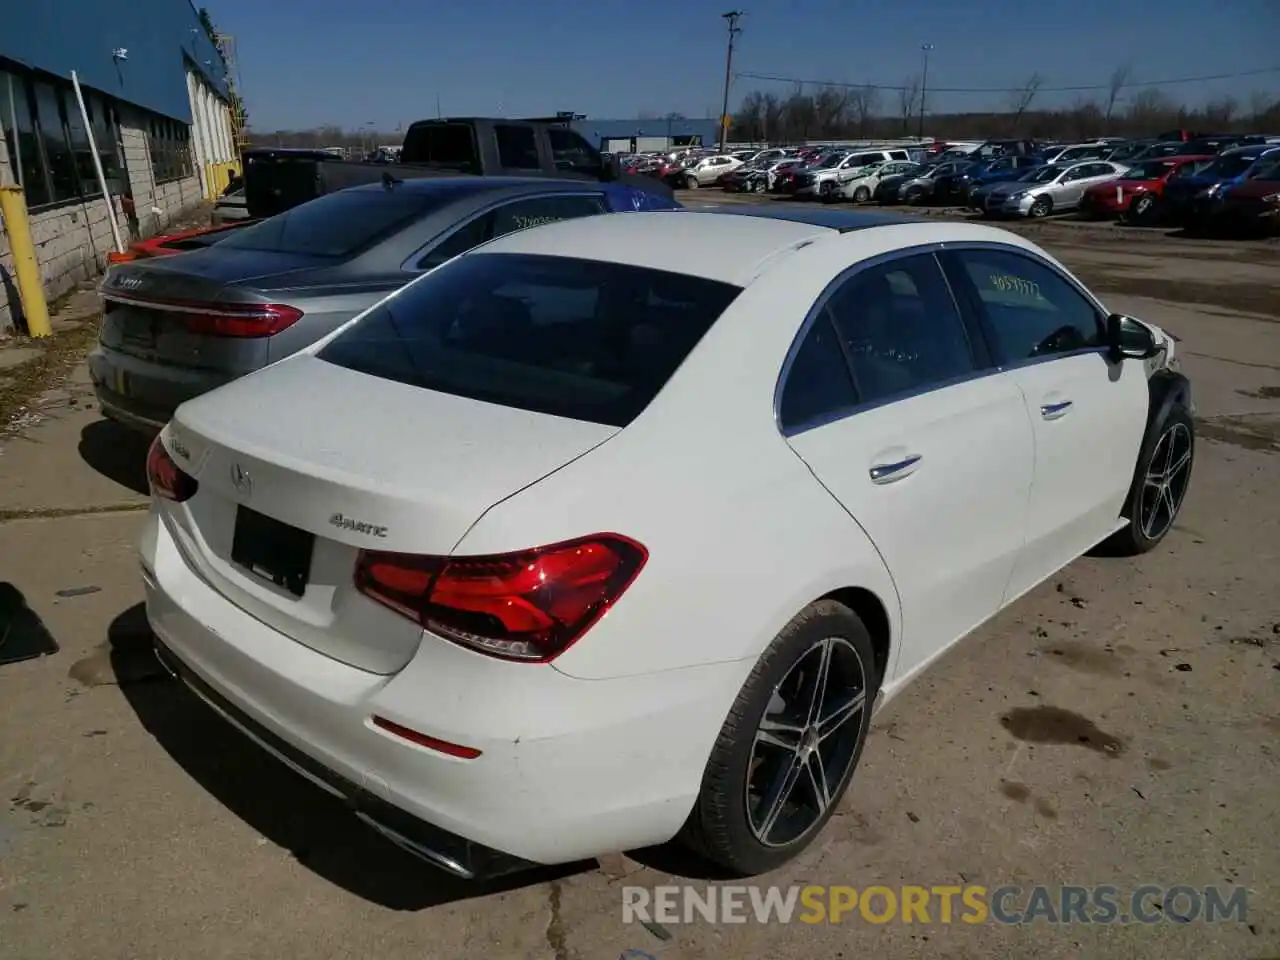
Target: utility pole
[733,16]
[924,86]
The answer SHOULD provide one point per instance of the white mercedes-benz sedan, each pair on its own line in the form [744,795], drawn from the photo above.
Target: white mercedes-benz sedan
[617,530]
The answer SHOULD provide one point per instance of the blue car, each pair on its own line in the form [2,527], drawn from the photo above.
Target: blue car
[1190,200]
[1000,170]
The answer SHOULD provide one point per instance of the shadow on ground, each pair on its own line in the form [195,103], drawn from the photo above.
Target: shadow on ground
[23,635]
[287,810]
[117,453]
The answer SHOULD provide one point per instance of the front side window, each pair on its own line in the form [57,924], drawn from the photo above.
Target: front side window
[583,339]
[1031,310]
[517,148]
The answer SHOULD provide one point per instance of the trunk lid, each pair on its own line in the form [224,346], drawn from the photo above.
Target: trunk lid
[346,461]
[147,305]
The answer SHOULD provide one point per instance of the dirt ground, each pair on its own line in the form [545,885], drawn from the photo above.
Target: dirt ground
[1117,726]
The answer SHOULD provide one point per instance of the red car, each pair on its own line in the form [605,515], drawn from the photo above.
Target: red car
[1134,197]
[171,243]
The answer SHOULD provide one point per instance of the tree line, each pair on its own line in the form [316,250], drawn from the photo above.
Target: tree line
[849,112]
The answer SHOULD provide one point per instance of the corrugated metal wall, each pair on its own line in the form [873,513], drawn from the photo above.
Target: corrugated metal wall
[59,36]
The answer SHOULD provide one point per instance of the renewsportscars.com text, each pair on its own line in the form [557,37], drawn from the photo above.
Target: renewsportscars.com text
[1101,904]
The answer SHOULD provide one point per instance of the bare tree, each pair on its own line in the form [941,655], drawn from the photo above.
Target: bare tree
[1219,113]
[829,106]
[1150,107]
[1021,98]
[862,109]
[1087,118]
[1260,104]
[908,94]
[1120,77]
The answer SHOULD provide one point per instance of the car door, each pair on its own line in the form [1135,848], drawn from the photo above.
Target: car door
[1088,412]
[891,402]
[505,218]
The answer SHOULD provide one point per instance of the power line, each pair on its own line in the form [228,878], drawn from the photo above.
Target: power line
[1079,88]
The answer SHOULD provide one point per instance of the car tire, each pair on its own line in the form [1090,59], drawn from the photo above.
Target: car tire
[861,195]
[1142,210]
[1160,484]
[759,186]
[726,827]
[691,183]
[1040,208]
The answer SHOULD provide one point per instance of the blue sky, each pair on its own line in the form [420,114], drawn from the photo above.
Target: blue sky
[308,62]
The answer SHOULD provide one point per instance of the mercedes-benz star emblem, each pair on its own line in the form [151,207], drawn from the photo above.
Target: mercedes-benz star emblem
[241,479]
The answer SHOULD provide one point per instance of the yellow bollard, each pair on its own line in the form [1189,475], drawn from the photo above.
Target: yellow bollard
[13,206]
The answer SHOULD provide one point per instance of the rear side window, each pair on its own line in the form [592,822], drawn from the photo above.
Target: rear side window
[517,148]
[336,225]
[450,144]
[818,385]
[518,215]
[582,339]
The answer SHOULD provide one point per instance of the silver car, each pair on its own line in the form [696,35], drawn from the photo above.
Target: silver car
[1049,189]
[178,326]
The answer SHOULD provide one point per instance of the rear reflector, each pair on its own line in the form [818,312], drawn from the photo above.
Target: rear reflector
[422,740]
[531,605]
[165,477]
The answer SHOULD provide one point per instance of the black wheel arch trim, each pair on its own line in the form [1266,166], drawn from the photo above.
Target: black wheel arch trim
[1167,389]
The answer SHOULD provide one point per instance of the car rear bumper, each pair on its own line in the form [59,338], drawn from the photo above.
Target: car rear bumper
[569,769]
[141,394]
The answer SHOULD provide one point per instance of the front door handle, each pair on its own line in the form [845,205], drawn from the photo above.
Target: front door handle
[889,472]
[1052,411]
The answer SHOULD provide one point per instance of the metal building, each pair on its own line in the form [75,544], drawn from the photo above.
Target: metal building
[156,109]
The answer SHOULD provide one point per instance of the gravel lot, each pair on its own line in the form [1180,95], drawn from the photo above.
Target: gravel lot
[1117,726]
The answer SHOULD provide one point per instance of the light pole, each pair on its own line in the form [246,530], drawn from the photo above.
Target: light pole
[924,86]
[732,17]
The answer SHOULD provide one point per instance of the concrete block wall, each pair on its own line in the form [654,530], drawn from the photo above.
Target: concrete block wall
[73,239]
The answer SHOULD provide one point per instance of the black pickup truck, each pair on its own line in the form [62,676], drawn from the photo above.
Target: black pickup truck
[277,178]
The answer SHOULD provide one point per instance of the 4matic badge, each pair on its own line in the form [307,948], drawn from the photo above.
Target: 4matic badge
[358,526]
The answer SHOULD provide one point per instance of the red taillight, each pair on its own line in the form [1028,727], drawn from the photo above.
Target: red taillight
[245,320]
[258,320]
[531,605]
[115,256]
[165,477]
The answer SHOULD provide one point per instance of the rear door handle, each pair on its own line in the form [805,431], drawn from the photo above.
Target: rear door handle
[1052,411]
[889,472]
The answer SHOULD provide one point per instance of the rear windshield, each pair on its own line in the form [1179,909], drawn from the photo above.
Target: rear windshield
[336,225]
[449,144]
[581,339]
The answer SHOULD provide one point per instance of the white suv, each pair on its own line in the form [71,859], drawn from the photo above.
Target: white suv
[824,180]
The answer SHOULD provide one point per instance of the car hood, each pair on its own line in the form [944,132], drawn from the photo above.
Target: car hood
[1191,184]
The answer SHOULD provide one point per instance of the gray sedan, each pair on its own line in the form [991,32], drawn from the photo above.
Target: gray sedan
[176,327]
[1050,189]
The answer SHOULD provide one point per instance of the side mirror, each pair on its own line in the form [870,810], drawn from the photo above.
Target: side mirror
[1130,338]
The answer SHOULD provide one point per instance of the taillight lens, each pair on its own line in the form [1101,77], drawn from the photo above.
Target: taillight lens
[244,320]
[531,605]
[257,320]
[165,477]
